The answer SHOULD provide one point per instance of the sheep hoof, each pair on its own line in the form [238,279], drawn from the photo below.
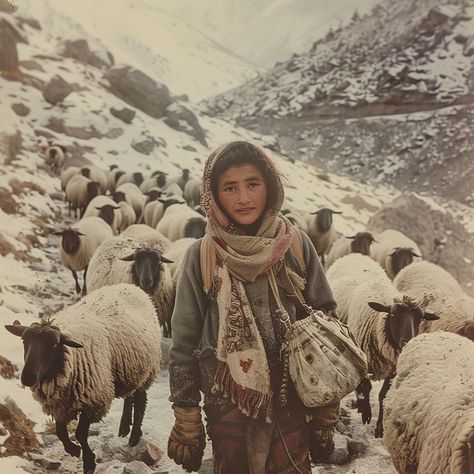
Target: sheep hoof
[124,430]
[379,432]
[134,439]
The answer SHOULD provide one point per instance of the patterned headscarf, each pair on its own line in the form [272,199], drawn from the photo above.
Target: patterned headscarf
[243,374]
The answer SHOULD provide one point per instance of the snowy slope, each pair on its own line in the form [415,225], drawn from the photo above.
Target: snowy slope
[153,40]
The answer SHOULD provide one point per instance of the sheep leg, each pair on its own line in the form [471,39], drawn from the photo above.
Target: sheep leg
[126,419]
[82,434]
[78,288]
[139,405]
[84,287]
[363,401]
[383,392]
[71,448]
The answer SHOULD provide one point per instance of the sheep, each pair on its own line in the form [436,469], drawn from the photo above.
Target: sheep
[55,155]
[358,243]
[126,260]
[180,180]
[134,197]
[447,298]
[78,244]
[94,173]
[152,202]
[157,180]
[321,230]
[146,234]
[105,208]
[180,221]
[429,411]
[80,191]
[175,252]
[173,190]
[135,178]
[105,346]
[67,174]
[127,214]
[297,219]
[380,318]
[394,250]
[192,191]
[112,179]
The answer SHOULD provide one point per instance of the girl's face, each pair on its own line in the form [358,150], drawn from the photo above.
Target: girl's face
[242,192]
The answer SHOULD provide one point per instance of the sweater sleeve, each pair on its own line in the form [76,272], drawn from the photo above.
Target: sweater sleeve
[317,292]
[191,305]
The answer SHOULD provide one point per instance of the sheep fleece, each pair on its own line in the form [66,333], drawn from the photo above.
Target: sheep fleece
[121,337]
[429,410]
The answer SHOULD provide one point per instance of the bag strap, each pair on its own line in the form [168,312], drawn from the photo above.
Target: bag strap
[296,247]
[207,262]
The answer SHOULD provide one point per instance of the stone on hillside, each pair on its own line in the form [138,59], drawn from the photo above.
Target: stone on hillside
[341,453]
[468,49]
[20,109]
[35,24]
[56,90]
[441,237]
[145,146]
[79,49]
[7,369]
[139,90]
[125,114]
[8,51]
[10,146]
[144,451]
[44,462]
[136,467]
[357,446]
[184,120]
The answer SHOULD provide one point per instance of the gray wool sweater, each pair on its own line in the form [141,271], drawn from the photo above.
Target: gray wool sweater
[195,324]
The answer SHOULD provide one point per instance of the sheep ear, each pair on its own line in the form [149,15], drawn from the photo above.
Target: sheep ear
[166,260]
[69,342]
[128,258]
[336,212]
[351,237]
[380,308]
[57,232]
[415,254]
[430,316]
[16,328]
[393,251]
[314,212]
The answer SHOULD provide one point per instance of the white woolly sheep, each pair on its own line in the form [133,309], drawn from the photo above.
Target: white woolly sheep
[134,197]
[94,173]
[179,180]
[105,208]
[67,174]
[192,191]
[358,243]
[175,252]
[380,318]
[173,190]
[321,230]
[127,213]
[135,178]
[126,260]
[145,233]
[105,346]
[55,156]
[78,244]
[157,180]
[425,280]
[112,179]
[394,250]
[180,221]
[80,191]
[152,202]
[429,411]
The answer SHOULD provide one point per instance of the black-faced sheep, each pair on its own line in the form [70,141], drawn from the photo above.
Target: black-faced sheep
[136,178]
[126,260]
[105,346]
[134,197]
[156,180]
[94,173]
[179,180]
[358,243]
[127,213]
[394,251]
[429,410]
[67,174]
[80,191]
[425,280]
[106,209]
[192,191]
[55,156]
[381,319]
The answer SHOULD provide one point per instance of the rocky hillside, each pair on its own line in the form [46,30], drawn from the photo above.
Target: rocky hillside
[353,103]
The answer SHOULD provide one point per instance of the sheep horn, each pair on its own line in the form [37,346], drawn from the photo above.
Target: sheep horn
[69,342]
[166,260]
[352,237]
[128,258]
[16,328]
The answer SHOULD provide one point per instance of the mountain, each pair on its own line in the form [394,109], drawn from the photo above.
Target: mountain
[409,63]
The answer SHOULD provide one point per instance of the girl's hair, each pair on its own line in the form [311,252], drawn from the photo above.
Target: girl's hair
[239,154]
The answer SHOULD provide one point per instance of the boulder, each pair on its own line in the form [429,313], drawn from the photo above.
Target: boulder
[442,238]
[137,467]
[145,146]
[79,49]
[8,51]
[184,120]
[20,109]
[139,90]
[468,49]
[125,114]
[56,90]
[144,451]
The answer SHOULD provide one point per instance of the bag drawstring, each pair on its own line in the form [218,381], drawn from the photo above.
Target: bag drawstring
[295,467]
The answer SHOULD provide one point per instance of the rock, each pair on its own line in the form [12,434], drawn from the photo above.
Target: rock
[189,148]
[468,49]
[8,51]
[56,90]
[35,24]
[10,146]
[357,446]
[79,49]
[20,109]
[184,120]
[139,90]
[145,146]
[44,462]
[341,453]
[125,114]
[137,467]
[7,369]
[49,439]
[144,451]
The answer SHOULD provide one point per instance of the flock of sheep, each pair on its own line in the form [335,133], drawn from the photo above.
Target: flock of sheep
[130,241]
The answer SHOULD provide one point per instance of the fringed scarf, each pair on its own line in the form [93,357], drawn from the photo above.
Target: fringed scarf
[243,374]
